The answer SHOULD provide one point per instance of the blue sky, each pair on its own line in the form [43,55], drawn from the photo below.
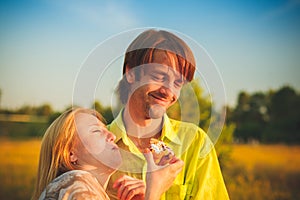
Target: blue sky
[254,44]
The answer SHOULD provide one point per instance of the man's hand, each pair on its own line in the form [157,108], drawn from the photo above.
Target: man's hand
[160,178]
[130,188]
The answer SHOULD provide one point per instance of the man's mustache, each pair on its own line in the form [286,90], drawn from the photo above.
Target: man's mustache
[162,96]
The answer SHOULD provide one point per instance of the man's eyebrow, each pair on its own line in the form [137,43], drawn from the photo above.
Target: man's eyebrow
[159,72]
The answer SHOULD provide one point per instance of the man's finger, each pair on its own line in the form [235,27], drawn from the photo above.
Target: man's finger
[177,166]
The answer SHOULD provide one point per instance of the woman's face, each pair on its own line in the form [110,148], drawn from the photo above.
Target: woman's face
[96,144]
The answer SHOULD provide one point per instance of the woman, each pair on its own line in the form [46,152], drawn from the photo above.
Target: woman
[78,156]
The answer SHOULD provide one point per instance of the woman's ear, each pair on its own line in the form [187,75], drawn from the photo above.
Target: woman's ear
[73,157]
[130,75]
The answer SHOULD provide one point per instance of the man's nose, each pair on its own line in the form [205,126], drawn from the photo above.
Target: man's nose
[169,89]
[166,90]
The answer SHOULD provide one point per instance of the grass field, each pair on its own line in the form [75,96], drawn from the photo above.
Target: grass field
[254,171]
[18,164]
[276,156]
[263,172]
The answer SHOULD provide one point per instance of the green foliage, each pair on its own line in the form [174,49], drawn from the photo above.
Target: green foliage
[53,116]
[26,121]
[200,112]
[223,146]
[22,129]
[42,110]
[250,116]
[284,124]
[192,106]
[106,112]
[273,116]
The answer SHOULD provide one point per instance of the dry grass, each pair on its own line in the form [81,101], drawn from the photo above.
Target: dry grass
[254,171]
[18,165]
[284,157]
[263,172]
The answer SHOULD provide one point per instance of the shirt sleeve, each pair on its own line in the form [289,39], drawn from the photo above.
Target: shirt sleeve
[201,176]
[208,182]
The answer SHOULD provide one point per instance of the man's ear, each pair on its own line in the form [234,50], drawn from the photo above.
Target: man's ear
[73,157]
[130,75]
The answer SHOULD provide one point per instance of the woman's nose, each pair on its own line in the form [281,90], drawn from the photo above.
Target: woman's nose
[110,137]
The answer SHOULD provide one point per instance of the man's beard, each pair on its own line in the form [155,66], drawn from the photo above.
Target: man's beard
[155,111]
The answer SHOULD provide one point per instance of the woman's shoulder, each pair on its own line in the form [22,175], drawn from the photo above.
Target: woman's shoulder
[75,184]
[73,174]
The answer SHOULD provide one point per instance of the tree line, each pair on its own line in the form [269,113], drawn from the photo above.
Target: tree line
[268,117]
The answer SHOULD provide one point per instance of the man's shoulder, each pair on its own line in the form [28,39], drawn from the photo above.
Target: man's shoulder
[186,126]
[186,132]
[116,123]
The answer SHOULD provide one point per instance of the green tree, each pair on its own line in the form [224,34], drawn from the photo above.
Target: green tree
[192,106]
[44,110]
[26,110]
[106,112]
[284,117]
[195,107]
[0,98]
[250,116]
[53,117]
[272,116]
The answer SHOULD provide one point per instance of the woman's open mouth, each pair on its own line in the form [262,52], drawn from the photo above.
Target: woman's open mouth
[115,147]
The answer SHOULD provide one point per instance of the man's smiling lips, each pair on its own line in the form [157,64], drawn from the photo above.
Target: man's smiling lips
[160,99]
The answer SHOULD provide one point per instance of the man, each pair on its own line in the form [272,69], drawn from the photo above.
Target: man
[157,64]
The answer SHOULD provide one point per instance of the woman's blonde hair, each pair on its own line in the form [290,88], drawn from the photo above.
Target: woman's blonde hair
[58,140]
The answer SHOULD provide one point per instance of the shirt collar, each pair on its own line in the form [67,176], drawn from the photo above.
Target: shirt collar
[168,132]
[118,128]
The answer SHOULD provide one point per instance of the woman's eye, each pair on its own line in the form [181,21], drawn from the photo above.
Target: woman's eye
[97,131]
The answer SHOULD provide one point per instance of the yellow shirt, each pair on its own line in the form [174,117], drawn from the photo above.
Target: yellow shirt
[201,176]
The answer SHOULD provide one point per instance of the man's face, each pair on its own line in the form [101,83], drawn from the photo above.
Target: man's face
[157,89]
